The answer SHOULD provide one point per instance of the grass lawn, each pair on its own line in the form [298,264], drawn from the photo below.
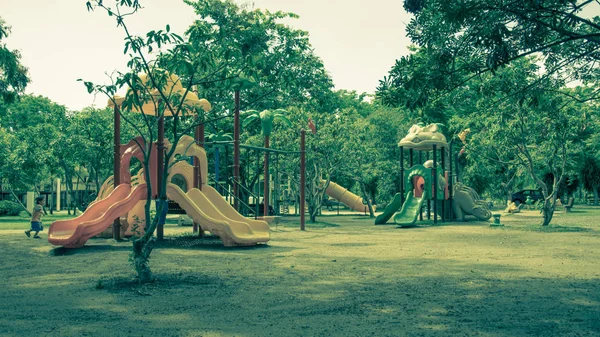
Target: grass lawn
[341,277]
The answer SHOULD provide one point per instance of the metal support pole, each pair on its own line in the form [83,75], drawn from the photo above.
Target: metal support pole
[302,177]
[456,168]
[199,138]
[160,159]
[236,151]
[443,163]
[402,192]
[116,165]
[428,200]
[451,181]
[435,184]
[266,180]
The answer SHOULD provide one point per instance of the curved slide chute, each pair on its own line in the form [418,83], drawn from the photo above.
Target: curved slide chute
[346,197]
[389,210]
[410,210]
[198,206]
[74,233]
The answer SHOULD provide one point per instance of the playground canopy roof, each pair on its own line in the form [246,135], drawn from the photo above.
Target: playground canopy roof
[173,90]
[423,138]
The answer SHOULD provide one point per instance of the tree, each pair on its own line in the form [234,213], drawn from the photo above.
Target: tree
[13,75]
[590,176]
[471,37]
[33,154]
[324,154]
[159,93]
[273,64]
[362,157]
[535,126]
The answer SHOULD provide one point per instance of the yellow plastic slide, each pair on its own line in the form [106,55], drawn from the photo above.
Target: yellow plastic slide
[240,232]
[74,233]
[346,197]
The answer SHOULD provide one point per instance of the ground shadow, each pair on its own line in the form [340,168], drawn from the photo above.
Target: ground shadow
[88,249]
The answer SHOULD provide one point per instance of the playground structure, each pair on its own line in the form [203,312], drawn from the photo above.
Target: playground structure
[128,195]
[423,186]
[204,205]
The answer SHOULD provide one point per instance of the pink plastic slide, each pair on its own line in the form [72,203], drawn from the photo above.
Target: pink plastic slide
[74,233]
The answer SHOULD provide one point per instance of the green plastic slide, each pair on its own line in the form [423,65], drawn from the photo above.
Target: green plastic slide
[410,210]
[389,210]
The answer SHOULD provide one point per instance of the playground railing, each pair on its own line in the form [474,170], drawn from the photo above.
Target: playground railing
[224,190]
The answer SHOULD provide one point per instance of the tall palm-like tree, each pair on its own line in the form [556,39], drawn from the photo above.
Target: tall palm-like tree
[219,137]
[266,118]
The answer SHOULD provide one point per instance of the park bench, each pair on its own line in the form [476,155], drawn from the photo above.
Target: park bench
[569,205]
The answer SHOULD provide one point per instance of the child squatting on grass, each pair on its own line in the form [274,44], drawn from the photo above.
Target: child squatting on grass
[36,218]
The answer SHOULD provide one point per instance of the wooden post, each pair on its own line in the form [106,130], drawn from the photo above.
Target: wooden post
[236,151]
[302,177]
[160,148]
[116,165]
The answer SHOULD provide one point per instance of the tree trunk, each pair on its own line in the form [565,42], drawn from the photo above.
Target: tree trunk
[51,199]
[313,211]
[69,186]
[363,189]
[76,197]
[141,252]
[18,200]
[595,196]
[547,211]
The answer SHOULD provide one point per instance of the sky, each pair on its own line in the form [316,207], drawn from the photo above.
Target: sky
[60,41]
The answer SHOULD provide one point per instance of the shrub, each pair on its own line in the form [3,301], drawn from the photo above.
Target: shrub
[9,208]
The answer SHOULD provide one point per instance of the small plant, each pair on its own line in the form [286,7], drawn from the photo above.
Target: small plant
[99,284]
[9,208]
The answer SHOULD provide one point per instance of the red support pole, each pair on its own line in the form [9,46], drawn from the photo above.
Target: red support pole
[236,151]
[266,179]
[117,165]
[160,148]
[302,176]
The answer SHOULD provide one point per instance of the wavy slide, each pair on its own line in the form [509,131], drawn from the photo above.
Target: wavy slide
[74,233]
[220,220]
[346,197]
[389,210]
[409,212]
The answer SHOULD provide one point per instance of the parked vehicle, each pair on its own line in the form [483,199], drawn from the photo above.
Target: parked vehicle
[329,203]
[521,196]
